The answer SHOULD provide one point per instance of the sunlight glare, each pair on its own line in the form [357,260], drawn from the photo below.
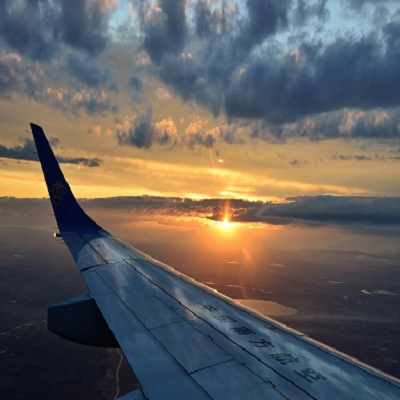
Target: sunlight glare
[225,224]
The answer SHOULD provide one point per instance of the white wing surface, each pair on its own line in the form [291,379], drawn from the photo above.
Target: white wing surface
[185,341]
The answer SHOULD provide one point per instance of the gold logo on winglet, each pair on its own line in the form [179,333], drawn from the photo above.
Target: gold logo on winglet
[57,191]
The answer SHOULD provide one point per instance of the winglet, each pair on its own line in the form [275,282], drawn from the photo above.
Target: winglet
[69,214]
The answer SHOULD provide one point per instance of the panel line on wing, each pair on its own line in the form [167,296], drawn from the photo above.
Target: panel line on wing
[159,335]
[168,324]
[165,283]
[131,248]
[155,331]
[274,324]
[96,266]
[225,335]
[149,332]
[139,320]
[92,247]
[213,365]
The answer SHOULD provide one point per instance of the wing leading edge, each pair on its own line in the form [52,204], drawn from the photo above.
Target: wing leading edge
[182,339]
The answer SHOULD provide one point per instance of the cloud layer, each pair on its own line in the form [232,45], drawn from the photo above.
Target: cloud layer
[28,152]
[257,63]
[274,69]
[43,42]
[362,215]
[379,215]
[38,29]
[145,131]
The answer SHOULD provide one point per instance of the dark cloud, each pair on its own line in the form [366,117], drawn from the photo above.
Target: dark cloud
[17,76]
[177,206]
[93,101]
[208,73]
[54,141]
[365,215]
[347,73]
[87,162]
[84,25]
[229,134]
[140,135]
[358,4]
[332,210]
[197,134]
[203,139]
[37,34]
[307,210]
[265,18]
[306,10]
[144,131]
[28,152]
[379,215]
[360,157]
[353,158]
[299,163]
[226,43]
[380,16]
[211,22]
[135,83]
[30,27]
[203,19]
[165,29]
[38,28]
[25,152]
[237,66]
[88,70]
[270,64]
[348,124]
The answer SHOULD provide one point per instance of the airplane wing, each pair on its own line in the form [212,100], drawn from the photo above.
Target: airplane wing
[184,340]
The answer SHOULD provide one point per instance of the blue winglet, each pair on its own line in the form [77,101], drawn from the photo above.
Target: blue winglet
[69,214]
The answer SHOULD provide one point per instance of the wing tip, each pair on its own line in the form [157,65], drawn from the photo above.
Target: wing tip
[36,128]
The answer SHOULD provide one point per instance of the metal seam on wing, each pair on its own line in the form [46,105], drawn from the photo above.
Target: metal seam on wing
[228,338]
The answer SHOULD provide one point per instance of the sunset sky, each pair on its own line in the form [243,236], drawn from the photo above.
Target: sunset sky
[264,101]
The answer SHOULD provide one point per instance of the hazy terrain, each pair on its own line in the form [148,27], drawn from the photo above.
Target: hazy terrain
[35,363]
[348,300]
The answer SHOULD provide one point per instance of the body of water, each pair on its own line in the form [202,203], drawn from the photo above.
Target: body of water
[268,308]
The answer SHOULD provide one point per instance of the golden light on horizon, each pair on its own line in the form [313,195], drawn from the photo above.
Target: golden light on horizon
[225,224]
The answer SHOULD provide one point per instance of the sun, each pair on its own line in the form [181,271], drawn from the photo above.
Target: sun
[225,224]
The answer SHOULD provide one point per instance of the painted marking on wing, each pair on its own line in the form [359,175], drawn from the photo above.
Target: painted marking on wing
[212,308]
[282,358]
[57,190]
[275,325]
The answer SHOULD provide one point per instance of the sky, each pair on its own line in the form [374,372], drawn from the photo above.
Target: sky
[289,110]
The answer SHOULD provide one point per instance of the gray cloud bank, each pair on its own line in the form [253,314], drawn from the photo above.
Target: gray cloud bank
[27,151]
[367,215]
[338,211]
[271,83]
[236,60]
[273,67]
[42,41]
[37,29]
